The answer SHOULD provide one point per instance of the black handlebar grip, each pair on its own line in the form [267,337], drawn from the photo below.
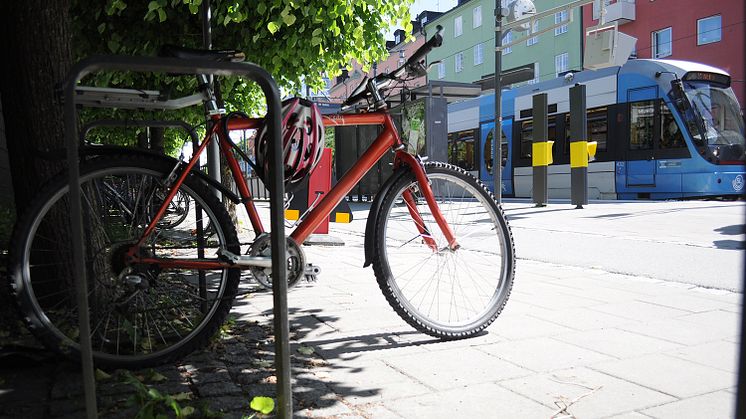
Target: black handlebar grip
[356,98]
[434,42]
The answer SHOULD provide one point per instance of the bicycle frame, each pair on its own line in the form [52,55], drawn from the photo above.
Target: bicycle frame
[387,139]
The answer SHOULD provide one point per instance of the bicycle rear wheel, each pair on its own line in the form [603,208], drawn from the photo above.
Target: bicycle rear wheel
[140,315]
[450,294]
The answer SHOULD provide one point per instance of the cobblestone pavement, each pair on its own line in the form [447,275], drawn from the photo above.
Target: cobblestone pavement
[572,342]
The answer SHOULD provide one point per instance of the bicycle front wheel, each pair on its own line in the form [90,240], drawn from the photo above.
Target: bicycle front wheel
[141,315]
[450,294]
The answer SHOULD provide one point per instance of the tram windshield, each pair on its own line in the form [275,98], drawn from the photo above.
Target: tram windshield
[716,123]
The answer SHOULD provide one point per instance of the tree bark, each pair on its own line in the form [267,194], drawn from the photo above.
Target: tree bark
[37,56]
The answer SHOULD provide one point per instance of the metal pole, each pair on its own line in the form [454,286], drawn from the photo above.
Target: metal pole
[498,130]
[279,271]
[578,147]
[213,149]
[76,225]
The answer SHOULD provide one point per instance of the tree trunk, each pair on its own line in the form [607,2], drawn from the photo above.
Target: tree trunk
[37,57]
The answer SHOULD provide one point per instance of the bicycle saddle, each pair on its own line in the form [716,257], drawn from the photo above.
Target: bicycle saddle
[232,55]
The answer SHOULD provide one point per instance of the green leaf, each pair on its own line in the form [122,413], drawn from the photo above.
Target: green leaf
[114,47]
[101,375]
[261,8]
[265,405]
[182,396]
[288,19]
[186,411]
[262,363]
[101,28]
[317,32]
[162,15]
[157,377]
[305,350]
[153,5]
[272,27]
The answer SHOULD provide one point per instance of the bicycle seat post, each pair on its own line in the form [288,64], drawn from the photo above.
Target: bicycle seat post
[211,103]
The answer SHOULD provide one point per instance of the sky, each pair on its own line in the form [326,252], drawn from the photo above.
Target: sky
[433,5]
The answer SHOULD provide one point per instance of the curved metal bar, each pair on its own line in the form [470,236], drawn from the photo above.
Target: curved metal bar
[126,123]
[276,186]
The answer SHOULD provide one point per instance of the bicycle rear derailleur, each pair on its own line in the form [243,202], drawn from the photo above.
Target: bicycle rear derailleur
[297,268]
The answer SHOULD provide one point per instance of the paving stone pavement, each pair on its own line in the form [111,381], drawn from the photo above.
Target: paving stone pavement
[571,342]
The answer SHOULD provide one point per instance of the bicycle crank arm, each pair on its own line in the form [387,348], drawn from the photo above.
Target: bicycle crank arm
[245,260]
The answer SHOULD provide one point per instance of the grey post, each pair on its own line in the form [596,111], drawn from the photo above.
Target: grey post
[540,150]
[213,149]
[497,138]
[578,147]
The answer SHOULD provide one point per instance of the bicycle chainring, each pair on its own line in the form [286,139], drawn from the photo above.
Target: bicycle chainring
[296,261]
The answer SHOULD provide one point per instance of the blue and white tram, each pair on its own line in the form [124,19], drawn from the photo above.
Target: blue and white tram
[665,129]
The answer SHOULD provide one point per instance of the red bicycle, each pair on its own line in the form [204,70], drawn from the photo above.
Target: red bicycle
[441,249]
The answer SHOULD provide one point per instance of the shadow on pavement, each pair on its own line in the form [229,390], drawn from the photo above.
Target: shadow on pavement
[237,366]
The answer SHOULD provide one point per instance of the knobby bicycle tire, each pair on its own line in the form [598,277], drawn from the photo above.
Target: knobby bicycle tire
[140,315]
[449,294]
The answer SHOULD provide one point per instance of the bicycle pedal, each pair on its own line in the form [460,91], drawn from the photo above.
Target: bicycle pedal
[311,272]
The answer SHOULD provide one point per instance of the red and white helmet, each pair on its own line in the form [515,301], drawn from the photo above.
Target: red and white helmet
[302,141]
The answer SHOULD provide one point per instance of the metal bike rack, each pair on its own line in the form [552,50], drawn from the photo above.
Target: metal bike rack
[143,123]
[73,98]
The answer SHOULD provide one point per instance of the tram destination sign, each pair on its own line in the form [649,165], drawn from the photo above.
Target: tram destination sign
[721,79]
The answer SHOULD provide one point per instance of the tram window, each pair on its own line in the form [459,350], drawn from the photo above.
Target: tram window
[489,151]
[461,149]
[598,128]
[527,135]
[641,125]
[670,135]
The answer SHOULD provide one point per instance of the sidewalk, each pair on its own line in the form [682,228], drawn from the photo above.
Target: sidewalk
[570,341]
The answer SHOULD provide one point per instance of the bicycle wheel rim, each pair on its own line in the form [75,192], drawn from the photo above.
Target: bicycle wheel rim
[150,341]
[450,293]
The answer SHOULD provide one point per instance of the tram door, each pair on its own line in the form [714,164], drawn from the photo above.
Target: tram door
[487,153]
[643,123]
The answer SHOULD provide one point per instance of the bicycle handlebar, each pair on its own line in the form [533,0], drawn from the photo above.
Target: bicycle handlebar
[434,42]
[412,67]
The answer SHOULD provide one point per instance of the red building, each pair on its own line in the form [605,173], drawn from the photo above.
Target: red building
[709,32]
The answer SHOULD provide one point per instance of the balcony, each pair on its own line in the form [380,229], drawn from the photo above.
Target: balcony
[621,12]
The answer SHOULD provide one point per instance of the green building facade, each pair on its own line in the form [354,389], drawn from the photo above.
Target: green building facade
[467,53]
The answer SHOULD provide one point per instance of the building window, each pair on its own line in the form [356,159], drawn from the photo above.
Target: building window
[507,38]
[477,17]
[459,62]
[662,43]
[709,30]
[559,18]
[441,70]
[534,39]
[478,54]
[537,75]
[597,8]
[458,28]
[561,63]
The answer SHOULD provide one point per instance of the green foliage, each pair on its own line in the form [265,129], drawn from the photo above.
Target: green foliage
[151,403]
[264,405]
[295,40]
